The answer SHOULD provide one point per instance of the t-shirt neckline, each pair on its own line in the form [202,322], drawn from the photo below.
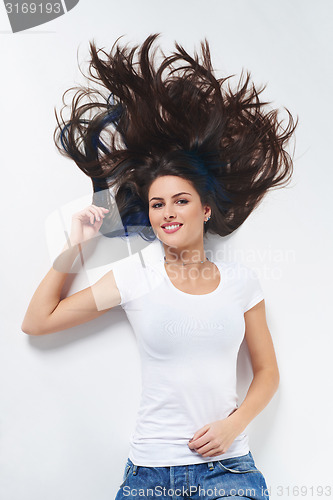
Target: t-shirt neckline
[171,285]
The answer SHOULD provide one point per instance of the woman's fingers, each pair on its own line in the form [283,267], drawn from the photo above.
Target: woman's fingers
[83,223]
[93,212]
[98,211]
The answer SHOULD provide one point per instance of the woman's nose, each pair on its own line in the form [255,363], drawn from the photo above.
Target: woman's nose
[169,213]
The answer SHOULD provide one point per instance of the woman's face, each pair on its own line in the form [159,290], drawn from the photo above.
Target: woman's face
[174,200]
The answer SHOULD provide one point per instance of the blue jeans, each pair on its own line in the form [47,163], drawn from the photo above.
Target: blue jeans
[232,477]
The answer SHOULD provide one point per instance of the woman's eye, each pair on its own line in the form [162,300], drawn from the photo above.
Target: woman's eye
[156,204]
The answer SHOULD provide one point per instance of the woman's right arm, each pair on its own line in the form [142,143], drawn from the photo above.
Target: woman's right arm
[46,312]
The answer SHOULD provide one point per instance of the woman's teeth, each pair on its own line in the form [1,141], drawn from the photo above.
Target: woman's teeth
[172,228]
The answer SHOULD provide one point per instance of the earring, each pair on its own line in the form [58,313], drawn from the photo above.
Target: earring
[207,219]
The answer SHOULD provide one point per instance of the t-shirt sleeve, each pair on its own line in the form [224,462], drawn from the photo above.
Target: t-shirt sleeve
[252,290]
[132,280]
[125,273]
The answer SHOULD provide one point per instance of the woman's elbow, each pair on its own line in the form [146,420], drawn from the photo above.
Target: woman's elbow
[276,379]
[29,330]
[271,376]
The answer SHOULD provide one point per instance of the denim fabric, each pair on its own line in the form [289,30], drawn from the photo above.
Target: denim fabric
[232,477]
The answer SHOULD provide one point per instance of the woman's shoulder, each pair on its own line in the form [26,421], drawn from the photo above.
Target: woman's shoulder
[236,268]
[135,277]
[146,266]
[135,264]
[232,263]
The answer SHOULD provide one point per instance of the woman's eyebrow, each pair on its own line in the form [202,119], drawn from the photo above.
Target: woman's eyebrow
[174,196]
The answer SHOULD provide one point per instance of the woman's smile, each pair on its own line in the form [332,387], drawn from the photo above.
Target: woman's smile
[171,228]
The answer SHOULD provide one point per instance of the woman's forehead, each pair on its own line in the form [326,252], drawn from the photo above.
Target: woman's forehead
[171,184]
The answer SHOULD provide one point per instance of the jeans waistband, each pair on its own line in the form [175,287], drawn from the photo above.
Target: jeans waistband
[210,465]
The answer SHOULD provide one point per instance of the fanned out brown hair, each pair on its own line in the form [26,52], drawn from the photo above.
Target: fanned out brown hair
[177,118]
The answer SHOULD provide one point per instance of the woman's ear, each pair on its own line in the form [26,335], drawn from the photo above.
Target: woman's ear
[208,210]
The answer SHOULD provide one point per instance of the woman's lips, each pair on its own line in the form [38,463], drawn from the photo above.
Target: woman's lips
[171,230]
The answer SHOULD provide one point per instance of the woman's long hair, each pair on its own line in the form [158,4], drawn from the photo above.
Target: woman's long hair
[147,121]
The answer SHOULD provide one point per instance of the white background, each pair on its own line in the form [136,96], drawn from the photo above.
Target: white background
[69,399]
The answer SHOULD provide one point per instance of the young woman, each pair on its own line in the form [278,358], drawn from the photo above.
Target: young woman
[186,157]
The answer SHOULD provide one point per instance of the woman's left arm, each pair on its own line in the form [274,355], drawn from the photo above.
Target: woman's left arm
[264,365]
[216,437]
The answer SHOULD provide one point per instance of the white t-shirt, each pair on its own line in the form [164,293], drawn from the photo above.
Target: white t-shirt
[188,347]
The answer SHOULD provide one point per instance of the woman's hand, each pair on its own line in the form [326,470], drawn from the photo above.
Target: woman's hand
[86,223]
[215,438]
